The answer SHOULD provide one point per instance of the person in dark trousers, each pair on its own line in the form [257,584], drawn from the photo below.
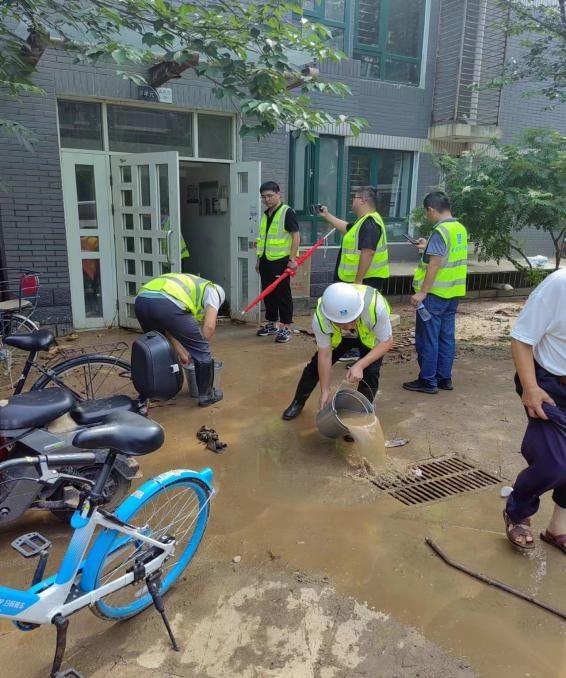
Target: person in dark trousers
[538,345]
[363,257]
[173,304]
[347,316]
[277,246]
[439,283]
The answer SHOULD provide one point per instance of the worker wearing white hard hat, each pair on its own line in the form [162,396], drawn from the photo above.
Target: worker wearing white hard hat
[174,304]
[347,316]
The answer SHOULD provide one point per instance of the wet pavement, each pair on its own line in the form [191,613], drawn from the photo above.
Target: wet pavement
[335,578]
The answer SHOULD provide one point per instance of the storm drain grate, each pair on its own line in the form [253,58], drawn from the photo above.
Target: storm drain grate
[435,479]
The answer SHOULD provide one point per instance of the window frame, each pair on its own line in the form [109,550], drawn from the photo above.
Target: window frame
[104,103]
[380,50]
[375,160]
[318,16]
[311,184]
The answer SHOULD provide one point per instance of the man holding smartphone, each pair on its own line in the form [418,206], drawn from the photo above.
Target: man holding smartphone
[363,258]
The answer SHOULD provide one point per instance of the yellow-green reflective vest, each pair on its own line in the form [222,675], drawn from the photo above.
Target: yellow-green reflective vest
[350,256]
[450,279]
[185,254]
[365,324]
[184,287]
[276,243]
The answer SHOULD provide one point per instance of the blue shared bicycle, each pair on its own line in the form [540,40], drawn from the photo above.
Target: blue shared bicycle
[141,551]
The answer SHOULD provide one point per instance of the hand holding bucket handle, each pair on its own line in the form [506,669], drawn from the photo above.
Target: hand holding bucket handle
[346,399]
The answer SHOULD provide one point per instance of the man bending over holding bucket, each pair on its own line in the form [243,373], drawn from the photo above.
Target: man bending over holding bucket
[173,304]
[347,316]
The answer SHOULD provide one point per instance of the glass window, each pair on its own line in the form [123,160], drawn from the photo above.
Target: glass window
[92,288]
[86,196]
[136,130]
[389,39]
[215,136]
[332,14]
[391,173]
[316,178]
[80,125]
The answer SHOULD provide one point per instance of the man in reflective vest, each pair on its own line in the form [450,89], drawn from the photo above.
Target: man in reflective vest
[347,316]
[277,246]
[185,255]
[363,257]
[439,284]
[173,304]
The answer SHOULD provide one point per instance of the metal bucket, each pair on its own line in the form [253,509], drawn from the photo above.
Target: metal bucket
[345,400]
[192,380]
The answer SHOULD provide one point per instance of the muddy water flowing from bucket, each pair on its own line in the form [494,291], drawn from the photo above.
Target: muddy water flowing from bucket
[367,433]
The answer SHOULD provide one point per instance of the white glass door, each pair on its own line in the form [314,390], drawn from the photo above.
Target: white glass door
[88,224]
[245,216]
[145,192]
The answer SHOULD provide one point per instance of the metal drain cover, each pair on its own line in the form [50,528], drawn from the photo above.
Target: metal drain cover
[435,479]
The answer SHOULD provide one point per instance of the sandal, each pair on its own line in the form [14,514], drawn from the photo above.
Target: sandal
[558,541]
[515,531]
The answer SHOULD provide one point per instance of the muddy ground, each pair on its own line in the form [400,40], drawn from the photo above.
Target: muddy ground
[335,579]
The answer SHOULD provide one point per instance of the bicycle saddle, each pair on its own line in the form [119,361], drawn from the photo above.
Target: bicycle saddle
[34,409]
[40,340]
[124,432]
[91,412]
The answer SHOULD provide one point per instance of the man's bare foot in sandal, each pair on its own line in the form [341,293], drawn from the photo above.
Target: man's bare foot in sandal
[519,534]
[555,534]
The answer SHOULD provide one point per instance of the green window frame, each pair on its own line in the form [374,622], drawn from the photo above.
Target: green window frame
[372,167]
[319,12]
[378,61]
[310,183]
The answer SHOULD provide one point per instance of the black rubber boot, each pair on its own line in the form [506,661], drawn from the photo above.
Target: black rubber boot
[304,389]
[208,395]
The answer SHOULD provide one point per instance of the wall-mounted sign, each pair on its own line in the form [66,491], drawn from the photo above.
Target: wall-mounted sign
[165,95]
[162,94]
[147,93]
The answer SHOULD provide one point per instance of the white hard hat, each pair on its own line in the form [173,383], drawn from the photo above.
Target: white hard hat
[342,303]
[221,293]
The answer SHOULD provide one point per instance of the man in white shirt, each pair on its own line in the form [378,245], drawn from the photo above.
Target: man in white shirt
[347,316]
[539,352]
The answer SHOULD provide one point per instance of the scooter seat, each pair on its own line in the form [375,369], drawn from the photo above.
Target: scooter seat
[34,409]
[91,412]
[124,432]
[39,340]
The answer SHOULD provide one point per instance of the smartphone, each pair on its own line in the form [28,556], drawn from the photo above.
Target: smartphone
[316,209]
[411,240]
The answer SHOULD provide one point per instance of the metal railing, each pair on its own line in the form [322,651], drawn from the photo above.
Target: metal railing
[471,53]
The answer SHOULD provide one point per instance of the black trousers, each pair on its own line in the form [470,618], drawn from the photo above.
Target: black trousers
[377,283]
[162,315]
[278,304]
[368,387]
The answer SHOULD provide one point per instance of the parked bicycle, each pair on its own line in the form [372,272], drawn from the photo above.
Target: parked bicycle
[88,373]
[19,289]
[143,548]
[49,419]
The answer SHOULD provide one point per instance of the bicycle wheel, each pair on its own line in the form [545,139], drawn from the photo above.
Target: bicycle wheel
[178,508]
[15,323]
[90,377]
